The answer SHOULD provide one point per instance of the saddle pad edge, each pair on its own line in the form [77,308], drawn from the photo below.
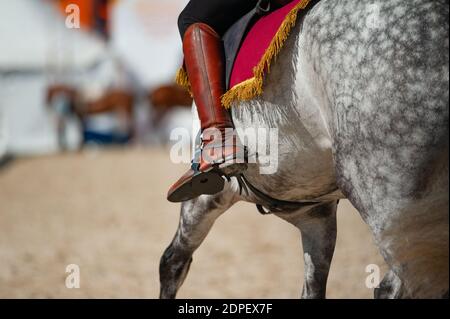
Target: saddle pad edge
[253,87]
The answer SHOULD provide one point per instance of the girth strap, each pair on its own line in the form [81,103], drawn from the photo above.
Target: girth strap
[271,204]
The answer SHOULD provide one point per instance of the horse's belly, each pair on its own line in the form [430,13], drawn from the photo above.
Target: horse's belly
[296,179]
[295,165]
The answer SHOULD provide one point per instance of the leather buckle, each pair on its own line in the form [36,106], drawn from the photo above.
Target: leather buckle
[263,7]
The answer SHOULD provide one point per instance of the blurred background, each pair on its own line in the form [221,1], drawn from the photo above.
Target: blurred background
[85,120]
[109,82]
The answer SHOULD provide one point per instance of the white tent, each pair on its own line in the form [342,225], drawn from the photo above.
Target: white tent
[34,36]
[35,44]
[145,34]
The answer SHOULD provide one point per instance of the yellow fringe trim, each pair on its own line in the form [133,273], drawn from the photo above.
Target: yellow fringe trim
[253,87]
[182,79]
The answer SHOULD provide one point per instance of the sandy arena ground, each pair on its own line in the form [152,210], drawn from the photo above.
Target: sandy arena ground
[106,211]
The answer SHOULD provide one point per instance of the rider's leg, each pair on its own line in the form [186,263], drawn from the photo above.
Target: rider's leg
[204,64]
[218,14]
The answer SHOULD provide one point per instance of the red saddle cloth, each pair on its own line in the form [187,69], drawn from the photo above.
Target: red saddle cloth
[261,45]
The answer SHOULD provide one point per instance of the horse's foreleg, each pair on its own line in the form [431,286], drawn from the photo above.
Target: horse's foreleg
[196,219]
[318,230]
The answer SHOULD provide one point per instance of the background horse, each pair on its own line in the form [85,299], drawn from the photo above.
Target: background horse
[359,96]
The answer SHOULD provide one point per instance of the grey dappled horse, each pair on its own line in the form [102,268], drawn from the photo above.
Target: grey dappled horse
[359,95]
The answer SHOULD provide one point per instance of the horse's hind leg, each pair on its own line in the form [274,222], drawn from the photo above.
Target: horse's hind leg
[318,229]
[391,287]
[196,219]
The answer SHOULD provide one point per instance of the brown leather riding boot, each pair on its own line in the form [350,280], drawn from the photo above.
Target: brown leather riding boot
[216,157]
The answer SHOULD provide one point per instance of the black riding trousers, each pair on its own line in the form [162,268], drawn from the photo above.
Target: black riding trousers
[218,14]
